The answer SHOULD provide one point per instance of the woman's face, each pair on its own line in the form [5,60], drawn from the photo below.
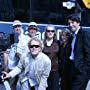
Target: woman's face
[64,37]
[35,48]
[50,34]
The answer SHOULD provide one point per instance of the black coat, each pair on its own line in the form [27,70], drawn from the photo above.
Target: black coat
[82,51]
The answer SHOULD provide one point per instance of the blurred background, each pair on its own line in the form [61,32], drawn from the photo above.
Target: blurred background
[44,11]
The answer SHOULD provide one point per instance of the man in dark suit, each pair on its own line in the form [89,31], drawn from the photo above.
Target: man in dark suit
[80,53]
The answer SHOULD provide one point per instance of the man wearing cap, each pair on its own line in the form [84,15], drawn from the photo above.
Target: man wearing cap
[17,27]
[32,29]
[11,57]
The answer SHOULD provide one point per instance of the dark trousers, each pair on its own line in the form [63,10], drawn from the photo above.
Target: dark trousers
[66,75]
[53,81]
[80,79]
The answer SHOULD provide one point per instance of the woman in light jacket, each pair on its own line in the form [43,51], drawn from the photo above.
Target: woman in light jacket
[35,67]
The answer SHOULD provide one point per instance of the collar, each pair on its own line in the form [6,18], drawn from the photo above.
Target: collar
[77,31]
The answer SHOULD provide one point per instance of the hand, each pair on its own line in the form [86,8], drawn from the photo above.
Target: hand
[6,75]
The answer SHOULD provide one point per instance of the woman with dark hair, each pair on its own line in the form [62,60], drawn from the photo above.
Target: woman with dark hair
[65,63]
[51,48]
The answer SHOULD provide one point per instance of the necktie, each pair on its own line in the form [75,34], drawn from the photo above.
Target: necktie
[72,45]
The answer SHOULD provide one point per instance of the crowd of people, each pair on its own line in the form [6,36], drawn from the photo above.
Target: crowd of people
[49,64]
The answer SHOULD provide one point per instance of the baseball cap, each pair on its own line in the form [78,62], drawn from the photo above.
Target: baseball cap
[17,22]
[32,25]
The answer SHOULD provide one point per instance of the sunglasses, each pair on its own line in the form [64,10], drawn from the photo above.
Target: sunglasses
[51,31]
[16,26]
[36,46]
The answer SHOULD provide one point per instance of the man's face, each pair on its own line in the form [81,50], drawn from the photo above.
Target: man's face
[73,25]
[17,29]
[32,32]
[35,48]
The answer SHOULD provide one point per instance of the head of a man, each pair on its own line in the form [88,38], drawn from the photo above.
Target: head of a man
[17,25]
[73,22]
[32,28]
[35,46]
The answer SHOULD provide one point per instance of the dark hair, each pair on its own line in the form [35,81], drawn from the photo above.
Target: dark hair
[74,17]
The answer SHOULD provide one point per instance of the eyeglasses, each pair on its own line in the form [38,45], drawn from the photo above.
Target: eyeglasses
[36,46]
[51,31]
[16,26]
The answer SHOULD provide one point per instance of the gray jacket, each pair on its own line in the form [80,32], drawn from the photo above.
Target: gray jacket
[42,68]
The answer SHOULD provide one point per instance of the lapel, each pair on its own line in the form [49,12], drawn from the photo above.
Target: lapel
[27,63]
[77,39]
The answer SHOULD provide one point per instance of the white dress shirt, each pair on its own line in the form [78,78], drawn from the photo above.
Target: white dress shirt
[73,44]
